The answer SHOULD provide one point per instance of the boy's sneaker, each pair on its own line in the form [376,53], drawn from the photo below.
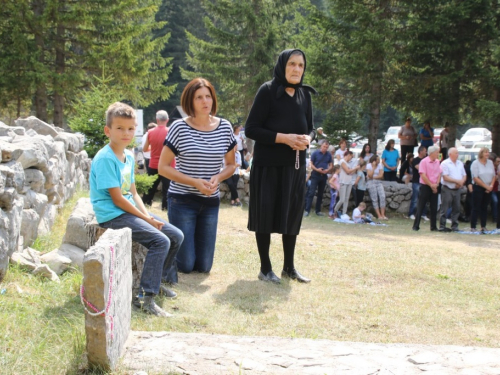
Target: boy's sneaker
[425,218]
[147,304]
[166,292]
[412,217]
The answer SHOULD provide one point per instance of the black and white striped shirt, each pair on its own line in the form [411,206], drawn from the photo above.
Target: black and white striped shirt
[199,154]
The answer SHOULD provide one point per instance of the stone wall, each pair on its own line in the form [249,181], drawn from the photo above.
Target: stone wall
[398,196]
[107,285]
[41,168]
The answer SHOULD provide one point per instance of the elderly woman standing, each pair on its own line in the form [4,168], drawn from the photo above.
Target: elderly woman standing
[483,179]
[281,123]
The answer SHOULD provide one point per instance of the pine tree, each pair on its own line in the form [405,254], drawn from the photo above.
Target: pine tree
[244,40]
[441,58]
[69,40]
[350,46]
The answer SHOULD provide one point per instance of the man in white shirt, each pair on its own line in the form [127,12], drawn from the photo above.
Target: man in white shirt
[452,179]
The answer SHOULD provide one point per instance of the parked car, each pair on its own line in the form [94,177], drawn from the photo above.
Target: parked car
[392,133]
[480,145]
[475,135]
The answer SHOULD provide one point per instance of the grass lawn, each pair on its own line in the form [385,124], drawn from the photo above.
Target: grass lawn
[369,284]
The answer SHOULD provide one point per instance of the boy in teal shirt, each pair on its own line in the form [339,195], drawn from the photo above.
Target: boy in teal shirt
[117,205]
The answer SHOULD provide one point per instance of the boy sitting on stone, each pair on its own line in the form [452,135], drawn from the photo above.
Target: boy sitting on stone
[117,205]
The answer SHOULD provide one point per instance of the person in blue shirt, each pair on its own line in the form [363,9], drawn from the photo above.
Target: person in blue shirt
[117,205]
[390,160]
[427,135]
[321,164]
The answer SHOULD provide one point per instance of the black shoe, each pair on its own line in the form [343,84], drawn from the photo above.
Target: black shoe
[415,229]
[320,214]
[147,304]
[270,277]
[434,229]
[455,230]
[295,275]
[168,293]
[445,230]
[306,214]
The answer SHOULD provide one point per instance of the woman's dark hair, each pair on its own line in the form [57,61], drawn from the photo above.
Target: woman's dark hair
[388,145]
[348,153]
[373,158]
[187,96]
[408,119]
[409,156]
[363,152]
[427,122]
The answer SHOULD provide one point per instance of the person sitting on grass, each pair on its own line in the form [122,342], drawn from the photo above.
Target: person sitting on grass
[334,189]
[117,205]
[357,214]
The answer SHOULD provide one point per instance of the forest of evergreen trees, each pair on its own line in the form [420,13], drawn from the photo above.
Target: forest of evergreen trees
[372,61]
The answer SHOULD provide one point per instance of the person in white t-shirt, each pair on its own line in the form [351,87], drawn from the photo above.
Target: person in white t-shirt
[375,175]
[357,214]
[240,144]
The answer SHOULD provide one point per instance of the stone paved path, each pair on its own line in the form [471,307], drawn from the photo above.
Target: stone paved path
[202,354]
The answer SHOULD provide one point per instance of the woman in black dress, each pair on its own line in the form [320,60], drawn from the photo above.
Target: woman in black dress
[281,123]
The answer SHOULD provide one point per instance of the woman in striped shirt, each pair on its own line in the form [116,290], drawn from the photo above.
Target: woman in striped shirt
[200,143]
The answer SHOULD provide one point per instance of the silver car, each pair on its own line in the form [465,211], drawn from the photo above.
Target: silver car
[474,135]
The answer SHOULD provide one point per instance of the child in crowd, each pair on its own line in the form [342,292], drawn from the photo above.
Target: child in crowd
[334,188]
[117,205]
[357,214]
[360,182]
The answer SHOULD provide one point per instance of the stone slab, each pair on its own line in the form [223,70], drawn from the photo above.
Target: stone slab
[204,354]
[106,335]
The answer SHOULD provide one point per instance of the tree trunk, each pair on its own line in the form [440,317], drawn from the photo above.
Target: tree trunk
[60,67]
[40,99]
[375,104]
[495,129]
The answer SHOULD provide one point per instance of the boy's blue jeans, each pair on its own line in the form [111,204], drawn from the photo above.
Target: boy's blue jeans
[198,223]
[162,246]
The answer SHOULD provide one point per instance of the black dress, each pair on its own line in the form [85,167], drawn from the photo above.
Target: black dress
[277,186]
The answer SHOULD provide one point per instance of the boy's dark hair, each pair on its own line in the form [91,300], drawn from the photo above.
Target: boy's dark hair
[118,109]
[187,96]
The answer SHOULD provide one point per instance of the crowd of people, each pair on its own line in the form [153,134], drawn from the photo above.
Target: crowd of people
[197,153]
[437,177]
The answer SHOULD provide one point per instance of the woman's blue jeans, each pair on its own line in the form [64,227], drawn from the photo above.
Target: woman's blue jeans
[162,246]
[198,223]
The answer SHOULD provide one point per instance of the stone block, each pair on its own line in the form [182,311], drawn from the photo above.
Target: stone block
[47,219]
[37,125]
[10,228]
[57,262]
[30,152]
[76,228]
[106,335]
[29,226]
[72,252]
[72,142]
[34,179]
[5,130]
[45,271]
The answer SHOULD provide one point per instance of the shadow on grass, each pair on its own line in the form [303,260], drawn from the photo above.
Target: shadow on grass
[253,296]
[193,282]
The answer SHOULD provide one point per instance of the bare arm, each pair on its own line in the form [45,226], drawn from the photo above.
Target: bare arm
[146,147]
[140,211]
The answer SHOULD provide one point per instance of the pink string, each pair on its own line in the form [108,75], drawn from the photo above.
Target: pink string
[110,294]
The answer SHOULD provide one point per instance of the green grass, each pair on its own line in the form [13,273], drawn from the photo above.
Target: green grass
[370,284]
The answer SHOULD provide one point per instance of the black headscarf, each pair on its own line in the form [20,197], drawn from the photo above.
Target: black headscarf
[280,69]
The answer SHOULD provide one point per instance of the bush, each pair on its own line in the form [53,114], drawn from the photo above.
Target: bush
[143,183]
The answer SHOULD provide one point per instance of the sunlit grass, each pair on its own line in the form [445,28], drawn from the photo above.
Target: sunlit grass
[370,284]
